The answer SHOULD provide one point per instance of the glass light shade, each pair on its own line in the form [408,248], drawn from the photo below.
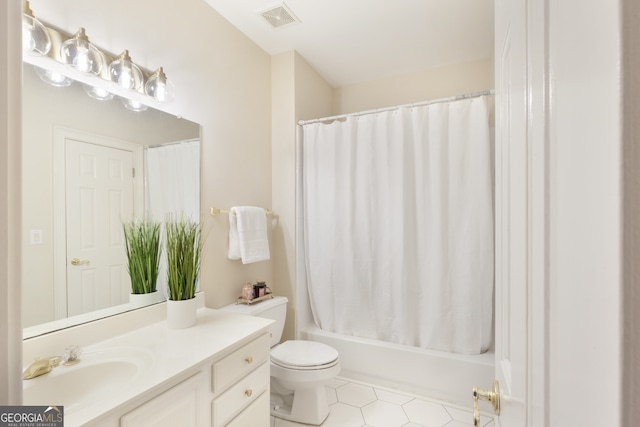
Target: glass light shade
[80,54]
[125,73]
[98,93]
[35,37]
[53,78]
[159,87]
[132,105]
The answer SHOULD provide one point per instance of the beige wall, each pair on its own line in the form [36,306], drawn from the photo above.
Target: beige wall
[283,176]
[314,96]
[223,82]
[631,211]
[435,83]
[10,134]
[298,92]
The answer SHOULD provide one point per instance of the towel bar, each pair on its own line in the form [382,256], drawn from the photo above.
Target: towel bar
[216,211]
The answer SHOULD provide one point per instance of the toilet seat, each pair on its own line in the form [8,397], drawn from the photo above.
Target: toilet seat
[304,355]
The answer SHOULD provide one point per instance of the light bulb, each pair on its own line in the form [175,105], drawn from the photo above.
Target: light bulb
[35,36]
[159,87]
[53,78]
[98,93]
[161,92]
[28,43]
[125,73]
[82,61]
[126,79]
[133,105]
[80,54]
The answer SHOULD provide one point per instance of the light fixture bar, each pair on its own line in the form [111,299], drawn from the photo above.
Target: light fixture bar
[77,59]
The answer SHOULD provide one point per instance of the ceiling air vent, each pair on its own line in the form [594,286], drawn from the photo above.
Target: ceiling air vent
[279,16]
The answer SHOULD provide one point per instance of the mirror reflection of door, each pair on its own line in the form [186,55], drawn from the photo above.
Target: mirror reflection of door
[99,192]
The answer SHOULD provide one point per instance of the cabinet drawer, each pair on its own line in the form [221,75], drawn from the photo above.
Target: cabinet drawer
[256,415]
[239,363]
[243,393]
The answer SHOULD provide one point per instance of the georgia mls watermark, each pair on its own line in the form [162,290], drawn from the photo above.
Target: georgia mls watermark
[31,416]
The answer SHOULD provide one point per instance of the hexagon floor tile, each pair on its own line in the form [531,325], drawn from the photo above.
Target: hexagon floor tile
[384,414]
[427,413]
[354,404]
[356,395]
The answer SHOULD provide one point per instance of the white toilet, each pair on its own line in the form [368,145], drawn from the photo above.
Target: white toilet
[299,369]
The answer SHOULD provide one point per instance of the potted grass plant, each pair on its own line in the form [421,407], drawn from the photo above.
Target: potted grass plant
[183,270]
[142,242]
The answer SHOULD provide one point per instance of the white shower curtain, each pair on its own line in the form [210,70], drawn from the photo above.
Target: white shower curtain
[172,186]
[172,180]
[398,225]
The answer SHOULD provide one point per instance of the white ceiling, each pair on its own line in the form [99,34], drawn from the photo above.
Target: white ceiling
[352,41]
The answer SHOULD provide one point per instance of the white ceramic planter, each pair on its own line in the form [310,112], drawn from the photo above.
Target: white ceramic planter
[181,314]
[143,300]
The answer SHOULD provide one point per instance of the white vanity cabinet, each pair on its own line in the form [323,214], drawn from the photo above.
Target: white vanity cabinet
[232,390]
[213,374]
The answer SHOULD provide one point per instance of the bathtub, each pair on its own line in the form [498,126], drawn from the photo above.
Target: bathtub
[444,376]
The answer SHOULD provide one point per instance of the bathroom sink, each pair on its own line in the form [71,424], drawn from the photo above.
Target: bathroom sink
[98,375]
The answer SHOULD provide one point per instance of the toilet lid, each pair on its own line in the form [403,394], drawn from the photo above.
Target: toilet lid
[303,354]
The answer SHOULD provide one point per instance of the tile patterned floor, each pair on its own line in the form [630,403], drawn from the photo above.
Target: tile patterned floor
[354,404]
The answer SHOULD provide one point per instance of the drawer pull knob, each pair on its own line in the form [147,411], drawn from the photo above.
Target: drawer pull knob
[248,392]
[249,360]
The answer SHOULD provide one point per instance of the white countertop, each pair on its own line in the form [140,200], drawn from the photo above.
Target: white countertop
[173,354]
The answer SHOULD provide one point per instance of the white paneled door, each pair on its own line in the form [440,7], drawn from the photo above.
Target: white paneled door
[512,191]
[99,195]
[521,216]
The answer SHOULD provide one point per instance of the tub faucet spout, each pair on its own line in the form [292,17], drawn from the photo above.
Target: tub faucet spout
[41,367]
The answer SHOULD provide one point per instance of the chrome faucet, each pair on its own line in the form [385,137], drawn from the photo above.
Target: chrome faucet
[71,355]
[41,367]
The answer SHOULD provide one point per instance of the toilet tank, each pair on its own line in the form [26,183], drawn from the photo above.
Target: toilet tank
[273,308]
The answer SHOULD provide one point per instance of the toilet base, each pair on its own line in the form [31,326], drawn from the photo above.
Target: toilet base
[308,407]
[299,395]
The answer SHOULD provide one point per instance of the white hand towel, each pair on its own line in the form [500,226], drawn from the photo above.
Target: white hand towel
[250,235]
[234,242]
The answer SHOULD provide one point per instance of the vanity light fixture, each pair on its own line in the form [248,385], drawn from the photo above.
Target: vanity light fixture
[159,87]
[124,73]
[79,53]
[53,78]
[35,37]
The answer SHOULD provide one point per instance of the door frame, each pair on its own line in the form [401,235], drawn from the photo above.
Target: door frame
[60,135]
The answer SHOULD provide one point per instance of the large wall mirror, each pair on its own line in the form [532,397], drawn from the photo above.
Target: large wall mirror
[73,145]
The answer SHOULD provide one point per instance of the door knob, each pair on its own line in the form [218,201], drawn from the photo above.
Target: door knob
[492,396]
[78,261]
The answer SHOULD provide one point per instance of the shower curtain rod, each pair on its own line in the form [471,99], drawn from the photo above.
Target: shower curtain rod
[416,104]
[166,144]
